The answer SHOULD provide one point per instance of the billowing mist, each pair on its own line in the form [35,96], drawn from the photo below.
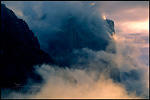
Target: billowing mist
[92,61]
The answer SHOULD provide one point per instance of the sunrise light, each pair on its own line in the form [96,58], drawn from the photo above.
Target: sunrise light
[104,17]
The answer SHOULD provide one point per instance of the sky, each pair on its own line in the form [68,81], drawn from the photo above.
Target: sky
[131,20]
[132,14]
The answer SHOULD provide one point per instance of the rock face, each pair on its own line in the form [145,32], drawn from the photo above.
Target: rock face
[111,26]
[68,43]
[76,34]
[67,48]
[20,50]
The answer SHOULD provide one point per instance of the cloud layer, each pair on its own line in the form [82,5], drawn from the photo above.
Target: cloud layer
[89,82]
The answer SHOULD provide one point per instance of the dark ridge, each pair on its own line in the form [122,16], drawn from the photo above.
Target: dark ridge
[20,51]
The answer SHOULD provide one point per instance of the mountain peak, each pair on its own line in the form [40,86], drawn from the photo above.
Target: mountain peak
[111,26]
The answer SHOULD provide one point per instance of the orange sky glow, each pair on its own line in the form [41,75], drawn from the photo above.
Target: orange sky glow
[129,17]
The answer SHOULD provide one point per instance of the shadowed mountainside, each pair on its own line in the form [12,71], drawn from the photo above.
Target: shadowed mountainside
[20,50]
